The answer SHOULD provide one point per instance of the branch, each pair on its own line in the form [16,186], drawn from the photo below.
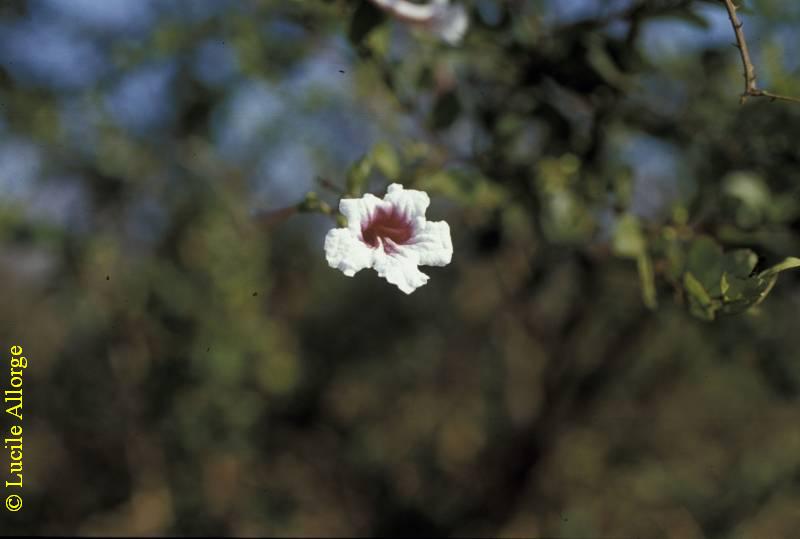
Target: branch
[310,204]
[751,89]
[330,186]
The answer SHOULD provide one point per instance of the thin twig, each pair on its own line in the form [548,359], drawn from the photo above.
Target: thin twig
[330,186]
[270,218]
[751,88]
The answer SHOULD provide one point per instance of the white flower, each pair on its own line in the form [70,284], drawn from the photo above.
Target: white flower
[390,235]
[449,22]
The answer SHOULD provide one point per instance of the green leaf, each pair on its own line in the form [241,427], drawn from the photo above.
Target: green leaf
[733,288]
[628,240]
[769,277]
[467,187]
[695,288]
[740,263]
[312,203]
[647,280]
[365,18]
[385,158]
[748,188]
[717,281]
[357,175]
[705,262]
[788,263]
[700,302]
[740,294]
[736,283]
[753,197]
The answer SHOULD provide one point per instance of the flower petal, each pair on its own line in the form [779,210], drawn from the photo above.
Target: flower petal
[358,210]
[346,252]
[432,243]
[410,202]
[400,268]
[450,22]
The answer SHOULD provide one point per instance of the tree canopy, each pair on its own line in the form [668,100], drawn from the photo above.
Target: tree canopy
[612,350]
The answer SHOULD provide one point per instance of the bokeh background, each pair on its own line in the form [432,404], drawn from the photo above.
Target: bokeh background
[197,368]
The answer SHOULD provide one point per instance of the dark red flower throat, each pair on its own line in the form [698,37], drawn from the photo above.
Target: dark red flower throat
[386,224]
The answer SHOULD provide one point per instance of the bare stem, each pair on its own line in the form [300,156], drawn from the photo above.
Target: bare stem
[270,218]
[310,204]
[330,186]
[751,88]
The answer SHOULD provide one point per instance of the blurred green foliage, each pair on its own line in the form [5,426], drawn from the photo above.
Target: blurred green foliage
[599,359]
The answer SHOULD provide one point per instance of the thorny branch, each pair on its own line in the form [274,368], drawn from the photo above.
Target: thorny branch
[751,88]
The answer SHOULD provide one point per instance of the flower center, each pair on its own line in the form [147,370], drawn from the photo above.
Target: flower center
[386,224]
